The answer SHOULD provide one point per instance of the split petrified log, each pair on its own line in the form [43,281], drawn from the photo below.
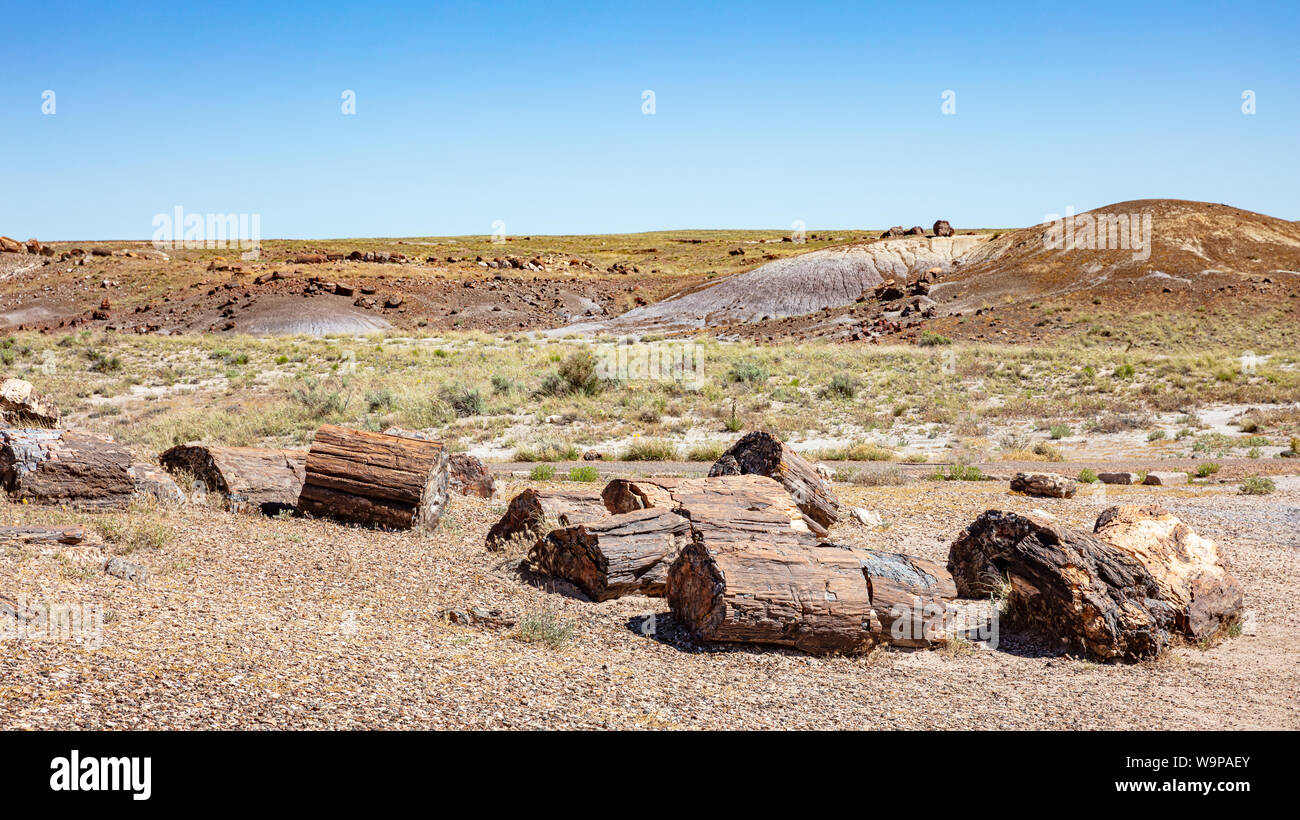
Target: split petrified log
[65,467]
[736,508]
[534,512]
[615,555]
[1188,569]
[22,406]
[375,480]
[249,478]
[819,598]
[762,453]
[468,474]
[623,495]
[1065,583]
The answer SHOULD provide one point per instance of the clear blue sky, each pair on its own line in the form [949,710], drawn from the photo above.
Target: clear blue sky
[531,114]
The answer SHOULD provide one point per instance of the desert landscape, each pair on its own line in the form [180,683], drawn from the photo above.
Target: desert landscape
[668,480]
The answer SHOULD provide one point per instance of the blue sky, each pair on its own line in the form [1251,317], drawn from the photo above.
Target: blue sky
[532,114]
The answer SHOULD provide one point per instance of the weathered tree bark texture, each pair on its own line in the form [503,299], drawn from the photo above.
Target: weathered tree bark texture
[71,467]
[820,598]
[762,453]
[468,474]
[249,478]
[624,554]
[738,508]
[532,513]
[1047,485]
[22,406]
[1065,583]
[375,480]
[1188,569]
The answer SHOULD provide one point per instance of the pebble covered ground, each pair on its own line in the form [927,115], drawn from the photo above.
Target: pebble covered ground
[248,622]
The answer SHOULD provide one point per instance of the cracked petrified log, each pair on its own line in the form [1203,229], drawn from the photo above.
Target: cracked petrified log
[622,495]
[1077,587]
[375,480]
[616,555]
[71,535]
[65,467]
[726,500]
[820,598]
[467,475]
[22,406]
[762,453]
[532,513]
[249,478]
[1191,574]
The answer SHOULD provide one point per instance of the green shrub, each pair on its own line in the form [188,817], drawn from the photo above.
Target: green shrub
[545,628]
[584,473]
[1155,435]
[1088,476]
[958,472]
[842,386]
[542,472]
[1060,431]
[747,371]
[464,401]
[1125,371]
[1258,485]
[1207,469]
[931,339]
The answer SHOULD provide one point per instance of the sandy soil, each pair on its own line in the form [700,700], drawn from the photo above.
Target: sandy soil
[260,623]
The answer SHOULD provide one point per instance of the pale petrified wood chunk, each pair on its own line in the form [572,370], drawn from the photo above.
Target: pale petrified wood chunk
[737,507]
[22,406]
[1047,485]
[819,598]
[375,480]
[762,453]
[1065,583]
[534,512]
[615,555]
[71,535]
[250,478]
[65,467]
[1188,569]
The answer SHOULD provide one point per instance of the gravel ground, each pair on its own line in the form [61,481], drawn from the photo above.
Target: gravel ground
[249,623]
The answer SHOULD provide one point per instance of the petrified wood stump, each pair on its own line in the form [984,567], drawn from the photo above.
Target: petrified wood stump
[375,480]
[532,513]
[65,467]
[249,478]
[615,555]
[762,453]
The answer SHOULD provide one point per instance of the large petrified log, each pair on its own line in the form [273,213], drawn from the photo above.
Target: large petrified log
[375,480]
[1047,485]
[65,467]
[22,406]
[615,555]
[468,474]
[819,598]
[1068,584]
[249,478]
[764,454]
[532,513]
[1188,569]
[720,498]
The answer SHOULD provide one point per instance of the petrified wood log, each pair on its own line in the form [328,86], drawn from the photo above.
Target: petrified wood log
[22,406]
[249,478]
[71,535]
[1065,583]
[1047,485]
[819,598]
[468,474]
[534,512]
[65,467]
[1188,569]
[762,453]
[375,480]
[153,482]
[623,495]
[615,555]
[736,508]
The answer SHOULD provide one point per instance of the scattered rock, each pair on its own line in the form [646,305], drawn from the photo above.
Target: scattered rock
[592,455]
[127,571]
[865,517]
[22,406]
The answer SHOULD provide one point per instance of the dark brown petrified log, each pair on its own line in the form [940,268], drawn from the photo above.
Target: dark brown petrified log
[375,480]
[615,555]
[762,453]
[819,598]
[65,467]
[250,478]
[1071,585]
[622,495]
[535,512]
